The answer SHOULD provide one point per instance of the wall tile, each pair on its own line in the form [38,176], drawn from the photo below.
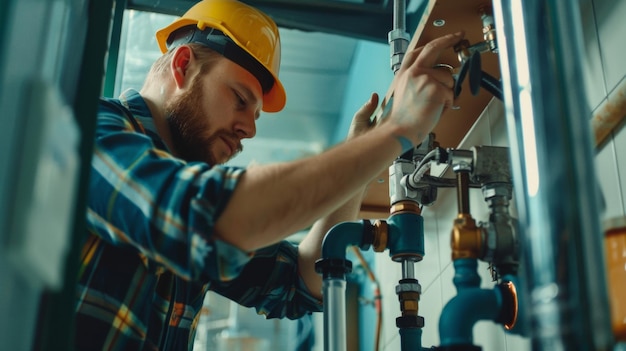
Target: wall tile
[479,134]
[497,124]
[430,308]
[393,343]
[620,153]
[517,343]
[389,273]
[446,210]
[608,177]
[428,270]
[592,64]
[448,290]
[489,336]
[610,16]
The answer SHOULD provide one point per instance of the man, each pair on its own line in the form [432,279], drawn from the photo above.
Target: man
[167,222]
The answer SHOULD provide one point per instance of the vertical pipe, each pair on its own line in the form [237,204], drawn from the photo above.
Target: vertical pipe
[399,14]
[462,192]
[335,315]
[552,161]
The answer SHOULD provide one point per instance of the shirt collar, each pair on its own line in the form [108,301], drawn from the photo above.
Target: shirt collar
[137,106]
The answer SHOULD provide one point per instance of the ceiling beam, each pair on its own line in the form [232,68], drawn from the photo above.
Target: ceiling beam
[368,20]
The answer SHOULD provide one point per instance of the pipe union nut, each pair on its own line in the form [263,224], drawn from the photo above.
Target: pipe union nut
[408,287]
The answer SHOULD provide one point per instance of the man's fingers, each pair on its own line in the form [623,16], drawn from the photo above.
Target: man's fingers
[431,52]
[427,55]
[444,76]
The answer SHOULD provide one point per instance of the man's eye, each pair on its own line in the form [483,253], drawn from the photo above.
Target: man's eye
[240,99]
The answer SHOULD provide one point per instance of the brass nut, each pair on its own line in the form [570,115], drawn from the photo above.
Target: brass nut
[381,233]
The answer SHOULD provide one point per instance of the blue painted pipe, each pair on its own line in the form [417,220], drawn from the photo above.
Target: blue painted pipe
[470,305]
[411,339]
[406,234]
[343,235]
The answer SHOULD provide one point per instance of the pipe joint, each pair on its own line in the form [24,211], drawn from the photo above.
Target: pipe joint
[489,28]
[470,305]
[406,236]
[381,236]
[467,238]
[333,268]
[346,234]
[409,291]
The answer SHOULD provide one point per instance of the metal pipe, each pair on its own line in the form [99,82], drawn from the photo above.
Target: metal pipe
[399,14]
[333,266]
[398,38]
[553,172]
[408,269]
[335,315]
[463,204]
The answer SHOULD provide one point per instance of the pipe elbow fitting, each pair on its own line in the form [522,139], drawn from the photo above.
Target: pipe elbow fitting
[467,241]
[461,313]
[346,234]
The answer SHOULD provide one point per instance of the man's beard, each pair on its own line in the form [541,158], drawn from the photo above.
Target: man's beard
[188,125]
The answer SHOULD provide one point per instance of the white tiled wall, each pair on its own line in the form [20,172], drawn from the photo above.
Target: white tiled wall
[604,31]
[611,158]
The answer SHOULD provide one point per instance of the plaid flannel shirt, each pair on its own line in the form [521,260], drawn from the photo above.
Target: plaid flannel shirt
[149,256]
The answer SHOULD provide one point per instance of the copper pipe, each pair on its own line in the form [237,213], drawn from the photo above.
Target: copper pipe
[609,115]
[462,179]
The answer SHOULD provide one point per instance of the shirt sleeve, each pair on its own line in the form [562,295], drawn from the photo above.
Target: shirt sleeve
[270,282]
[142,198]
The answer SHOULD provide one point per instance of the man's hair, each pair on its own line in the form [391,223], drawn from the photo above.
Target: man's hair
[203,54]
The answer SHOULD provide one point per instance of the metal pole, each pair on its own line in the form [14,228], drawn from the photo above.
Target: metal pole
[335,315]
[553,171]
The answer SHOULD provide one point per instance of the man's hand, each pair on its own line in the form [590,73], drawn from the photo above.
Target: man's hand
[361,121]
[422,92]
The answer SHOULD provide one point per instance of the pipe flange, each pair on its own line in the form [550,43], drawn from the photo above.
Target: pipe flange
[333,267]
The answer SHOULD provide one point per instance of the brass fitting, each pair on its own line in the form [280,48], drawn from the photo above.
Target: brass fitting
[405,206]
[466,238]
[381,235]
[409,305]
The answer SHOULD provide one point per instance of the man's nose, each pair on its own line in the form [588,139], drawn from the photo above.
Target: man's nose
[246,126]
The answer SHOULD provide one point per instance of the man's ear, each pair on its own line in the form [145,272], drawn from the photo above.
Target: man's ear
[180,64]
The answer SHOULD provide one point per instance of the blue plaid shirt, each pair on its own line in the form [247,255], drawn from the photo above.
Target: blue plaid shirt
[149,256]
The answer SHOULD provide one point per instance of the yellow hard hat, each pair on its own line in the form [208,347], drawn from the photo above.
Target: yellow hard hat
[219,24]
